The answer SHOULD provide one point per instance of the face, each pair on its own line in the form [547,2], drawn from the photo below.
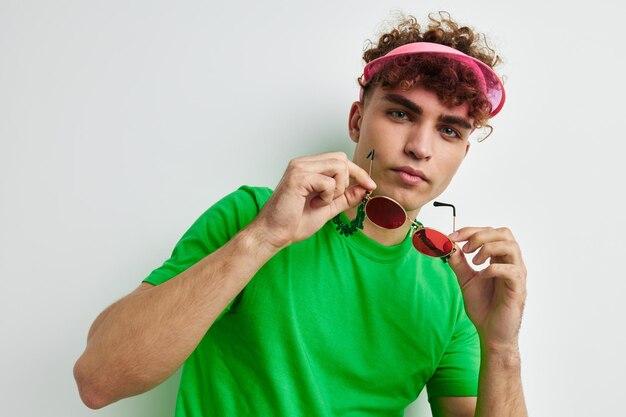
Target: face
[419,143]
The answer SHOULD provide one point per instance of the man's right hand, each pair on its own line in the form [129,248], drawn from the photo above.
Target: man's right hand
[312,191]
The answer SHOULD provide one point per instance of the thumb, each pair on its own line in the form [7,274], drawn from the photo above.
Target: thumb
[352,197]
[462,269]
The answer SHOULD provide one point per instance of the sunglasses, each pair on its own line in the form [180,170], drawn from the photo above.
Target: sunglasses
[387,213]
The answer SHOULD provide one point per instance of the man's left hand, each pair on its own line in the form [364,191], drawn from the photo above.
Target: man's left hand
[494,296]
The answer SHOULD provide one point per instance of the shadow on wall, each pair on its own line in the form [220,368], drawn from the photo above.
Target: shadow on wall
[419,407]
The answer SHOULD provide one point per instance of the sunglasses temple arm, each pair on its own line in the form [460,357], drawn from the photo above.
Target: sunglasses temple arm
[439,204]
[370,156]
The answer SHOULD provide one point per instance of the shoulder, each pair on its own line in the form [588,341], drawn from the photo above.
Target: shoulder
[228,215]
[244,203]
[247,194]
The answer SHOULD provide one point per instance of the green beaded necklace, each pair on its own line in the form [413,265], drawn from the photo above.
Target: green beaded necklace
[356,223]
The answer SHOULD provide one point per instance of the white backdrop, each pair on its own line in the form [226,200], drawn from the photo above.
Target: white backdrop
[121,122]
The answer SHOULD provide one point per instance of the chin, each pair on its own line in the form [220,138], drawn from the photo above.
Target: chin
[409,199]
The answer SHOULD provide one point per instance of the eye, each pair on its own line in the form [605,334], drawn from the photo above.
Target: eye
[448,131]
[398,114]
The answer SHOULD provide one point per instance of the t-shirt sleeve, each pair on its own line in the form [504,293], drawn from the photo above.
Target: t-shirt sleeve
[457,372]
[211,230]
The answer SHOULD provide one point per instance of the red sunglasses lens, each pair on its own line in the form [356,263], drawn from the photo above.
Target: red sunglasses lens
[432,243]
[385,213]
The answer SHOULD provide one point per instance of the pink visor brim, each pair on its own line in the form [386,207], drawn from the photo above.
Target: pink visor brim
[488,79]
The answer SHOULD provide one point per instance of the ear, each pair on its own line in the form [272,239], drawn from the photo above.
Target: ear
[467,148]
[354,121]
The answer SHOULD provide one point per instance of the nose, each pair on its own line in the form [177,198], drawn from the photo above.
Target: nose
[419,144]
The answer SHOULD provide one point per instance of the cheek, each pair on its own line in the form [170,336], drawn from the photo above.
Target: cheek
[453,156]
[450,168]
[378,126]
[456,163]
[441,186]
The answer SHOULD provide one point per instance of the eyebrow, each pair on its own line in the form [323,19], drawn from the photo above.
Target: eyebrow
[454,120]
[449,119]
[403,101]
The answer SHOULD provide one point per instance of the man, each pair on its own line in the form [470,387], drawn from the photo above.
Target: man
[277,304]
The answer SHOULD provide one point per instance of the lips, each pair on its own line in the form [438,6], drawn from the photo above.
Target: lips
[410,174]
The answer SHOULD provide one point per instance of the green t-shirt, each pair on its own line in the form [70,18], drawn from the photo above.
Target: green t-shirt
[330,326]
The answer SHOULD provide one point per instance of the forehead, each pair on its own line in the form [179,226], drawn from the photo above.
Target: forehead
[425,99]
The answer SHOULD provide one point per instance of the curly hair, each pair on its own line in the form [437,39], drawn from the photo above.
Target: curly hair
[453,83]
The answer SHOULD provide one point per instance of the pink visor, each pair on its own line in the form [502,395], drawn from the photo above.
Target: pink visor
[488,79]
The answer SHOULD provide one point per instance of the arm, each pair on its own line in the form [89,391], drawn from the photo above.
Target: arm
[500,384]
[499,388]
[453,406]
[494,300]
[139,341]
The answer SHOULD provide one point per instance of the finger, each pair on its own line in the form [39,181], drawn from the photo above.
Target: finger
[462,269]
[361,176]
[336,168]
[328,166]
[321,188]
[465,233]
[352,197]
[478,236]
[325,155]
[342,180]
[505,251]
[332,164]
[512,275]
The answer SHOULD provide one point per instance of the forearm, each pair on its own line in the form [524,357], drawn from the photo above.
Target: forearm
[500,385]
[142,339]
